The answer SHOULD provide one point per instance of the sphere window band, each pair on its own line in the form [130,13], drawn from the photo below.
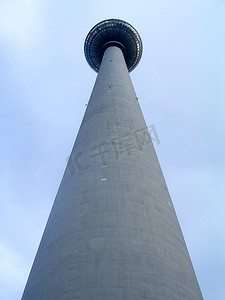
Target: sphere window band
[113,32]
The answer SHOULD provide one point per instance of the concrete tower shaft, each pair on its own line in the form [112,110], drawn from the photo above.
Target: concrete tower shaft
[112,233]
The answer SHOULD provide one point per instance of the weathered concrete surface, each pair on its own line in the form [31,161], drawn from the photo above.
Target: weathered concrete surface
[112,233]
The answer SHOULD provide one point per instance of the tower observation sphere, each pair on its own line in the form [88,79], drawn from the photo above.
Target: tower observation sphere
[113,32]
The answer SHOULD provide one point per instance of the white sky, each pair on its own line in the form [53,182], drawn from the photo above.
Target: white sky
[44,85]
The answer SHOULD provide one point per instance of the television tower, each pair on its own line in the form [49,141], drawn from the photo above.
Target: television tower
[112,233]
